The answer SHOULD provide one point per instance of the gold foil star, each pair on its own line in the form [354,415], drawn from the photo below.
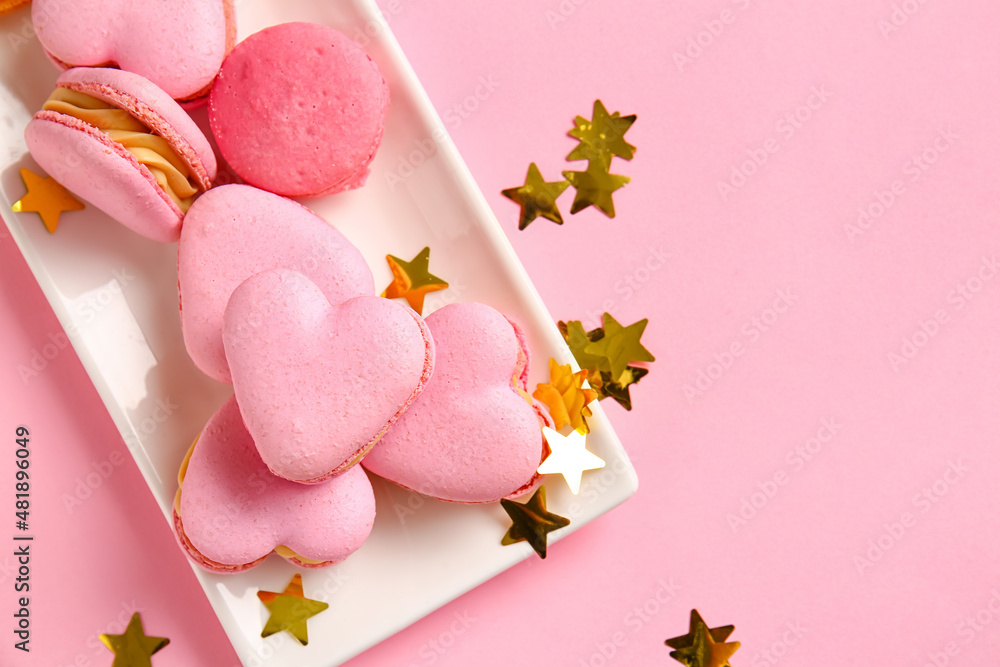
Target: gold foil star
[703,646]
[620,390]
[602,137]
[594,187]
[569,457]
[536,197]
[620,345]
[133,648]
[532,522]
[578,339]
[412,280]
[290,610]
[566,396]
[45,197]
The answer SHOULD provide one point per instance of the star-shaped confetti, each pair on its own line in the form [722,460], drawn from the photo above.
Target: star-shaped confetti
[703,646]
[620,345]
[290,610]
[594,187]
[532,522]
[536,197]
[602,137]
[133,648]
[566,397]
[412,280]
[619,390]
[569,458]
[578,339]
[45,197]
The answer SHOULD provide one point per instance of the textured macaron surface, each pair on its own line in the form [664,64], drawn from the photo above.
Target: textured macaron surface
[178,45]
[233,511]
[234,231]
[298,109]
[470,436]
[319,383]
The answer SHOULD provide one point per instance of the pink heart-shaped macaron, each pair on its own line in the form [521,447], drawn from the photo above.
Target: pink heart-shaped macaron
[234,231]
[472,436]
[231,512]
[318,384]
[178,45]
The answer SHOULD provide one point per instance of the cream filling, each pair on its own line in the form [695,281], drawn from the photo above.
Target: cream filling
[151,150]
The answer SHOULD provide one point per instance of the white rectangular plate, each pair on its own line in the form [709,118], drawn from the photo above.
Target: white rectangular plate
[115,294]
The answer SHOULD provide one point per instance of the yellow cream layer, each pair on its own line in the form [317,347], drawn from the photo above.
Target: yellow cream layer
[170,172]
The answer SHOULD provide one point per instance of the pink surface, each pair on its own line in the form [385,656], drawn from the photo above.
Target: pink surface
[233,511]
[178,45]
[235,231]
[847,452]
[469,437]
[319,383]
[298,110]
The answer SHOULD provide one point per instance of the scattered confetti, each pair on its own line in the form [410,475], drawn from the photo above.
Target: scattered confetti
[532,522]
[594,187]
[598,367]
[619,390]
[703,646]
[133,648]
[566,397]
[602,137]
[45,197]
[537,198]
[620,345]
[290,610]
[569,458]
[412,280]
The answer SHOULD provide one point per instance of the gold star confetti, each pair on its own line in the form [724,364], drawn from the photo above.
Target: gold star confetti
[532,522]
[536,197]
[45,197]
[412,280]
[566,397]
[594,187]
[619,390]
[133,648]
[569,458]
[578,339]
[602,137]
[289,610]
[620,345]
[703,646]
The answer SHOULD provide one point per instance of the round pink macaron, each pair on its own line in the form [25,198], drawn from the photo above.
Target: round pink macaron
[93,166]
[298,109]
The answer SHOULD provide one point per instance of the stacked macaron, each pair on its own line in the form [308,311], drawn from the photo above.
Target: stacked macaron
[274,300]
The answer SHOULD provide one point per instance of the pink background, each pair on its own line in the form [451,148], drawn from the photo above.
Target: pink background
[903,472]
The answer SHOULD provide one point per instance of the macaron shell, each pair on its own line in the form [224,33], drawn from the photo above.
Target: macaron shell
[154,107]
[470,437]
[298,109]
[102,172]
[179,45]
[318,384]
[235,231]
[234,512]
